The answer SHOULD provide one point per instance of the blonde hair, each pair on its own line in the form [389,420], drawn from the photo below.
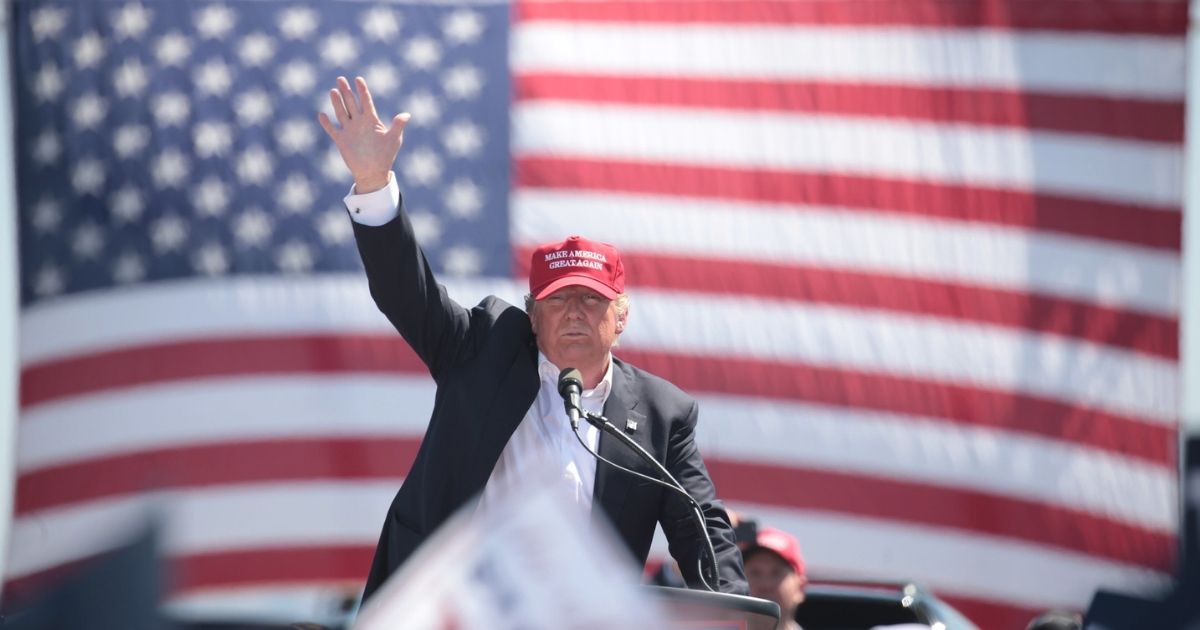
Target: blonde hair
[621,301]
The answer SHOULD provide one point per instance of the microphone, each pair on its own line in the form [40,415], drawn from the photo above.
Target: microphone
[570,386]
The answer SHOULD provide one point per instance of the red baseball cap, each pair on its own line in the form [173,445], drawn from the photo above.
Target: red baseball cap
[576,261]
[781,544]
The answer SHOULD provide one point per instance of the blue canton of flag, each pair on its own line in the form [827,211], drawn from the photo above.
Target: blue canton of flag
[164,140]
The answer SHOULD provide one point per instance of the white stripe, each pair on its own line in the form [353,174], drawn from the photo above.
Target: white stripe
[1078,165]
[225,518]
[1051,61]
[910,346]
[316,601]
[952,562]
[945,350]
[203,308]
[1101,272]
[284,515]
[901,448]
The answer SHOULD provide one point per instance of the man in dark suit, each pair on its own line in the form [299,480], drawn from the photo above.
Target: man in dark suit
[496,367]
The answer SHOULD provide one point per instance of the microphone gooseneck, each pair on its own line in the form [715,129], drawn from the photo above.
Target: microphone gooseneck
[570,387]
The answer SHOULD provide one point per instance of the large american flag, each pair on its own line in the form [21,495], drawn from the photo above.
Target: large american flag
[919,262]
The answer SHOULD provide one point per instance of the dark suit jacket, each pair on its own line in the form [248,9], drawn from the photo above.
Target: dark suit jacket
[484,361]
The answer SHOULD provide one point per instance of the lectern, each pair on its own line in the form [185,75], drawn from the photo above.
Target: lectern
[704,610]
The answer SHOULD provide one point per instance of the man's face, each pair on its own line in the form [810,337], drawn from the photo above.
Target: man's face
[772,578]
[576,327]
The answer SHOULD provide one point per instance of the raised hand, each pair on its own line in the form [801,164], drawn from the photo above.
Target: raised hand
[367,146]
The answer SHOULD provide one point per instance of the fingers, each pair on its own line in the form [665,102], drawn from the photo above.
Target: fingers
[350,103]
[364,97]
[339,107]
[327,124]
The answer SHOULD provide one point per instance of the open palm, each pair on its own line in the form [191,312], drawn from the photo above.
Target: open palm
[367,145]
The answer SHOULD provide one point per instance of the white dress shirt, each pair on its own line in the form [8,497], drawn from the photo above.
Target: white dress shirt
[545,432]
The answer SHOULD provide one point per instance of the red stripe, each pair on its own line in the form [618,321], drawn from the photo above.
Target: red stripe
[1124,223]
[1122,118]
[214,465]
[183,360]
[1140,332]
[1166,17]
[974,406]
[790,487]
[972,511]
[345,564]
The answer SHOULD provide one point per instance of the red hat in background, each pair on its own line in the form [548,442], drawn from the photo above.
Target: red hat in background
[576,261]
[781,544]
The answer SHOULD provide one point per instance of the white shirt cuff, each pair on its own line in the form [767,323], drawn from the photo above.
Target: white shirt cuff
[375,208]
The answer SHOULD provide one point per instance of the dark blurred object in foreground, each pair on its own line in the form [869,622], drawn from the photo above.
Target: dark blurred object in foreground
[119,589]
[1179,608]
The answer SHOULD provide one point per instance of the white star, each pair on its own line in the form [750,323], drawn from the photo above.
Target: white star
[169,168]
[463,26]
[211,197]
[297,77]
[463,139]
[214,78]
[173,49]
[168,233]
[296,135]
[47,215]
[88,111]
[48,82]
[464,199]
[253,107]
[131,21]
[47,148]
[47,22]
[130,78]
[211,259]
[423,167]
[424,107]
[49,281]
[255,166]
[127,204]
[462,260]
[87,178]
[170,109]
[422,53]
[380,24]
[333,167]
[294,257]
[89,50]
[129,140]
[128,268]
[462,82]
[339,49]
[382,78]
[295,194]
[214,21]
[298,23]
[88,241]
[334,227]
[256,49]
[252,227]
[212,138]
[426,226]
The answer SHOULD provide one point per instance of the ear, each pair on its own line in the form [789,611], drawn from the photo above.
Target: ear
[621,319]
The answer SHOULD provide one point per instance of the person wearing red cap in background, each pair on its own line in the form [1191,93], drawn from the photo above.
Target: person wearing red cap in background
[775,571]
[497,367]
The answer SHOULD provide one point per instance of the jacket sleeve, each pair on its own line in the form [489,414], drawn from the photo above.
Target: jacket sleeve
[406,291]
[683,540]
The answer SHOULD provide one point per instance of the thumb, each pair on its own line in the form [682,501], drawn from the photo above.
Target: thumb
[399,122]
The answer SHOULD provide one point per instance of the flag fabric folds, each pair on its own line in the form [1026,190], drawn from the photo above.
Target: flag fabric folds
[919,262]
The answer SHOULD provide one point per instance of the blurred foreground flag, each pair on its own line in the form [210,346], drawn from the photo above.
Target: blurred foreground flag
[532,561]
[918,261]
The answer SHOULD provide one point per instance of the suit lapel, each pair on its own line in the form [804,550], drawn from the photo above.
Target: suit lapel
[612,486]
